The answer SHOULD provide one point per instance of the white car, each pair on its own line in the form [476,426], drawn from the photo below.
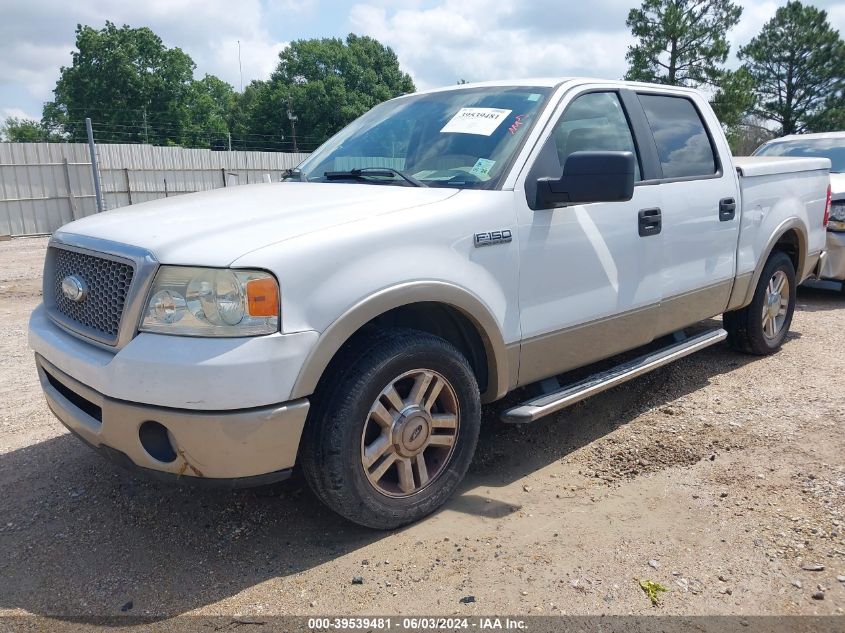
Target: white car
[441,251]
[829,145]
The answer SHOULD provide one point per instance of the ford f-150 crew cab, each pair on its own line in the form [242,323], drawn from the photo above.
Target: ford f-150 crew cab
[439,252]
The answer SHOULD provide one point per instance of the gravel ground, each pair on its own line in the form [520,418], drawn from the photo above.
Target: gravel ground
[721,477]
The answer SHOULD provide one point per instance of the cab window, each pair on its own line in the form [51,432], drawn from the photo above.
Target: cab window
[683,146]
[593,122]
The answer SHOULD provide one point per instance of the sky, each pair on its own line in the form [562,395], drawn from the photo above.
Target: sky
[437,41]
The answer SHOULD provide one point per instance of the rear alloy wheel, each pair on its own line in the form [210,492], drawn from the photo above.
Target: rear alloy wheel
[776,305]
[761,327]
[393,428]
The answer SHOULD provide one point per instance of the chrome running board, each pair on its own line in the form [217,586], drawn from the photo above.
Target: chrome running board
[565,396]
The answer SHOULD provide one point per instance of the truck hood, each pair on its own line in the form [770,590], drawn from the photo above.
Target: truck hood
[214,228]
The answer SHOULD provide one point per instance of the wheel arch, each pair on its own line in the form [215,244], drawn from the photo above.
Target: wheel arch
[789,237]
[423,305]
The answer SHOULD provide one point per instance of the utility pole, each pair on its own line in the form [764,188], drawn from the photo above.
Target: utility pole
[293,119]
[240,68]
[95,170]
[146,129]
[230,141]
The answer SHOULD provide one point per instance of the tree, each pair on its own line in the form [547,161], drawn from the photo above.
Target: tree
[748,135]
[734,98]
[27,131]
[798,63]
[832,116]
[210,106]
[135,89]
[680,42]
[325,83]
[259,120]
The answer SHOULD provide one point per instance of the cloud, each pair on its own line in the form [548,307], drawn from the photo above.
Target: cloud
[36,38]
[15,113]
[476,40]
[757,12]
[437,41]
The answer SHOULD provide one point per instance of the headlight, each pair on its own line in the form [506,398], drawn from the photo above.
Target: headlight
[212,302]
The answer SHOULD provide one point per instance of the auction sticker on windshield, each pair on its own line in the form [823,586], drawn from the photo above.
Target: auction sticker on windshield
[482,168]
[481,121]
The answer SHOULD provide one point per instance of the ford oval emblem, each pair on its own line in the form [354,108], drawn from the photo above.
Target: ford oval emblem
[74,288]
[416,433]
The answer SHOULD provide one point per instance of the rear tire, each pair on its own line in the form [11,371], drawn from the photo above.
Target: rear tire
[393,428]
[761,327]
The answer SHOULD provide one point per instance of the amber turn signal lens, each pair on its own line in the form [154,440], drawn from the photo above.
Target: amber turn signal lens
[262,297]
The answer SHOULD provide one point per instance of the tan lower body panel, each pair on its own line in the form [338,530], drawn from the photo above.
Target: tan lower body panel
[683,310]
[559,352]
[740,291]
[208,444]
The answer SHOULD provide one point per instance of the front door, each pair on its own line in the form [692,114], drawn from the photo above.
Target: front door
[589,279]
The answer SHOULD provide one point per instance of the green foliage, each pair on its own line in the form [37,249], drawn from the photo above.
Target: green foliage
[652,590]
[831,118]
[135,89]
[326,83]
[261,114]
[734,98]
[680,42]
[210,105]
[798,64]
[26,131]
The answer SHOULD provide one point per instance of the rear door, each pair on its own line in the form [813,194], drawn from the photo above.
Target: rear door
[699,205]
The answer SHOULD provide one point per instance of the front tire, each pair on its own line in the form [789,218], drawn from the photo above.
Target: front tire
[761,327]
[393,428]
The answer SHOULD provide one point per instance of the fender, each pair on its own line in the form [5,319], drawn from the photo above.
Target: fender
[333,338]
[742,295]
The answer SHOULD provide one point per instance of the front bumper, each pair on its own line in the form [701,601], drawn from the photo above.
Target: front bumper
[235,448]
[834,265]
[179,372]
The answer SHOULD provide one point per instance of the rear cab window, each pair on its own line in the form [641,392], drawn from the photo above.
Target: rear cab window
[684,147]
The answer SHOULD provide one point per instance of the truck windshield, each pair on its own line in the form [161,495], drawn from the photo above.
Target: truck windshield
[832,148]
[463,138]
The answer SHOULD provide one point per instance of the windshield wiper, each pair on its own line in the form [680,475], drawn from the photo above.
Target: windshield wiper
[292,174]
[368,172]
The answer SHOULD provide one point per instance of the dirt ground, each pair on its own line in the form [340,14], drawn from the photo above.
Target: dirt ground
[721,477]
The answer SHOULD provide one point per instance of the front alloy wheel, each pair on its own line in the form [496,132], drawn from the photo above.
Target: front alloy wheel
[392,428]
[410,433]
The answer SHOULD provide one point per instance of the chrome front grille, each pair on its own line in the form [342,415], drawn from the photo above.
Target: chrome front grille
[107,282]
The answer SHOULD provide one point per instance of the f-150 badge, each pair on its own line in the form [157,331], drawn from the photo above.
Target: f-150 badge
[493,237]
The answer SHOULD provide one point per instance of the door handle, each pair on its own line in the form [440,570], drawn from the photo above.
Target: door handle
[650,222]
[727,209]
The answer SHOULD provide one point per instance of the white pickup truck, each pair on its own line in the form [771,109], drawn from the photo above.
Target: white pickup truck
[441,251]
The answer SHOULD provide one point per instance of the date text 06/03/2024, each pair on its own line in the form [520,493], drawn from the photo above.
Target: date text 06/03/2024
[416,624]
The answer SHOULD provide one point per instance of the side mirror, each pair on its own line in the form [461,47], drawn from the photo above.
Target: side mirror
[589,177]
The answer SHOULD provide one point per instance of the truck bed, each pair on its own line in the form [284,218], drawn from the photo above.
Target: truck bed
[749,166]
[772,190]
